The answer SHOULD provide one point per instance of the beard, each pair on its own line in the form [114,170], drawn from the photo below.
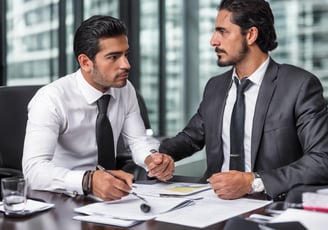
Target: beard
[99,78]
[234,60]
[105,82]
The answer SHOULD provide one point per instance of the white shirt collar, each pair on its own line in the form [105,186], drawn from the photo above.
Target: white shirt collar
[258,75]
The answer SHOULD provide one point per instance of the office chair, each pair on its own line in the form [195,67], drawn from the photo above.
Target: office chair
[13,117]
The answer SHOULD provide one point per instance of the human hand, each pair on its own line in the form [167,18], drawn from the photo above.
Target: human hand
[160,166]
[111,187]
[232,184]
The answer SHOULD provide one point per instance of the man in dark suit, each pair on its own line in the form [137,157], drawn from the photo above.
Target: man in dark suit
[285,132]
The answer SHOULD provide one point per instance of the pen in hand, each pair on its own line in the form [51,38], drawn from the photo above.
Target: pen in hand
[144,207]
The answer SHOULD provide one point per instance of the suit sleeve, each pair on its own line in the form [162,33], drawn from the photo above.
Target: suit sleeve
[192,138]
[311,116]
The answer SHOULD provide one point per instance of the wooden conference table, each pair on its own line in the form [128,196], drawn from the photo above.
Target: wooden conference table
[61,217]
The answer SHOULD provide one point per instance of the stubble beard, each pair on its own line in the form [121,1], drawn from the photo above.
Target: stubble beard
[233,61]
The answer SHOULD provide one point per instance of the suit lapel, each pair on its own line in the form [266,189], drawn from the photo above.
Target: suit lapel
[263,101]
[220,94]
[223,90]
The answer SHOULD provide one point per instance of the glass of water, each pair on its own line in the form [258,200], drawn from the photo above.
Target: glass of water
[14,194]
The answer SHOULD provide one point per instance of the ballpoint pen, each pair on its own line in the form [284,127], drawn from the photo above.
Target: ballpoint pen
[67,193]
[144,207]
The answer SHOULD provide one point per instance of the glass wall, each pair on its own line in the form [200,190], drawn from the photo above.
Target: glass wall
[303,35]
[149,56]
[32,41]
[33,34]
[174,69]
[185,38]
[106,7]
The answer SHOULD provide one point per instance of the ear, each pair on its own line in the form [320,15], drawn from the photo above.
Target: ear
[252,35]
[85,63]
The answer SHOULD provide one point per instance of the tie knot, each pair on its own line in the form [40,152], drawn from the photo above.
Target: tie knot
[244,84]
[102,103]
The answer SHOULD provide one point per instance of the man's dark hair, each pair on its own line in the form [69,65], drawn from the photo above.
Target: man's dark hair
[86,39]
[257,13]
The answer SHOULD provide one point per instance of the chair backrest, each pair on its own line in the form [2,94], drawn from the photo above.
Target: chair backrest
[143,110]
[13,117]
[124,158]
[122,149]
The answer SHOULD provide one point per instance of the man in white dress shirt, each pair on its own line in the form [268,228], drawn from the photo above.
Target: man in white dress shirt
[60,149]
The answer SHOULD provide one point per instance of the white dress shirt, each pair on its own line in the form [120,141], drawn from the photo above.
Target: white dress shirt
[60,143]
[250,101]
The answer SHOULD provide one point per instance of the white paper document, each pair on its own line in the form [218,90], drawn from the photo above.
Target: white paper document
[211,210]
[129,208]
[311,220]
[107,220]
[200,208]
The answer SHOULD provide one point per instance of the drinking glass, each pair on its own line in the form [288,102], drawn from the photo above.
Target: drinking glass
[14,194]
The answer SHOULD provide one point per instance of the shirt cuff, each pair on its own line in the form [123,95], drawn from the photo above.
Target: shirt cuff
[73,181]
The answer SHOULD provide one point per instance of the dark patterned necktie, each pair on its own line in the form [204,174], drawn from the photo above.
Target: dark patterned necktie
[104,135]
[237,127]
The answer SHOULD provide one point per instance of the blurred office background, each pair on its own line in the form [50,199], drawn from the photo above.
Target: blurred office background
[171,56]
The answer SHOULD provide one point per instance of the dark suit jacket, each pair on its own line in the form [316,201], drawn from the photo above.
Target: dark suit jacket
[290,129]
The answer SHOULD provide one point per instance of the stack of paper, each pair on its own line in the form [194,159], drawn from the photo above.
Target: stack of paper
[194,205]
[127,211]
[106,220]
[210,210]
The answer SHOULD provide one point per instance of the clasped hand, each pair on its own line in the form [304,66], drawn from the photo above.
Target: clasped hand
[160,166]
[232,184]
